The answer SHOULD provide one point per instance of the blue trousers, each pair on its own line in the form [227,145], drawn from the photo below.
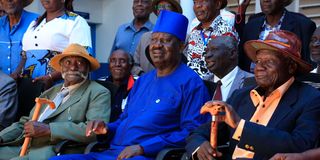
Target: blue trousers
[106,155]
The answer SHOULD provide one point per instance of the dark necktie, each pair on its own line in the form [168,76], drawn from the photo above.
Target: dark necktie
[217,94]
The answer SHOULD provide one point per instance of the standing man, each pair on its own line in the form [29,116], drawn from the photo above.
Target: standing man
[12,28]
[8,100]
[211,25]
[222,60]
[129,34]
[163,105]
[279,115]
[78,101]
[275,17]
[141,63]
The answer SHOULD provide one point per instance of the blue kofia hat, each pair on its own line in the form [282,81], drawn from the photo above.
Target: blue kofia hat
[173,23]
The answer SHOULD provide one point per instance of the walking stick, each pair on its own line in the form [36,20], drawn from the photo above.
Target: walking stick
[39,103]
[216,112]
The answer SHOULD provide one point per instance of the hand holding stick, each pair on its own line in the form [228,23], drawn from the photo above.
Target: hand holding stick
[217,111]
[39,103]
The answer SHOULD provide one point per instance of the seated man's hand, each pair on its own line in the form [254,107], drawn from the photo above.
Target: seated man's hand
[288,156]
[231,118]
[36,129]
[206,152]
[97,127]
[130,151]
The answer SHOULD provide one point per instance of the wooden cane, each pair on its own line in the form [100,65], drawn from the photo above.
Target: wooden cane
[36,113]
[216,112]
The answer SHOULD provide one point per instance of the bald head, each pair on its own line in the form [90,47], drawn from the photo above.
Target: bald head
[222,55]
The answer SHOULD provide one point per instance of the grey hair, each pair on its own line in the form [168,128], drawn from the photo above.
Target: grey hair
[130,57]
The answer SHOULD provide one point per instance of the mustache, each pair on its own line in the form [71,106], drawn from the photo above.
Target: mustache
[80,74]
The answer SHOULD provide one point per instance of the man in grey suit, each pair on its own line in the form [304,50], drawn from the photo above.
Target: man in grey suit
[8,100]
[82,101]
[222,60]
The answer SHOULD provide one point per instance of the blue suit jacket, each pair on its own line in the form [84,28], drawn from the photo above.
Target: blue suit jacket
[294,126]
[297,23]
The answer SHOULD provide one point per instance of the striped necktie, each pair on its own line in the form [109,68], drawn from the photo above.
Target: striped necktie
[57,101]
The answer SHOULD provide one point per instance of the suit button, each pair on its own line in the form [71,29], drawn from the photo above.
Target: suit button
[246,146]
[251,148]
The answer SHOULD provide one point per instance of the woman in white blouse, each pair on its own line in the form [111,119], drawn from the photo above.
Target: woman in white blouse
[49,35]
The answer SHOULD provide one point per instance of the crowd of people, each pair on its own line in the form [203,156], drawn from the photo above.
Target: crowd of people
[162,75]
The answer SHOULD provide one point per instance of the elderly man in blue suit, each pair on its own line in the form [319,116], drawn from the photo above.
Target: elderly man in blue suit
[222,60]
[279,115]
[163,105]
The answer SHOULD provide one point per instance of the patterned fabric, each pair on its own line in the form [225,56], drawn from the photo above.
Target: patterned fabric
[44,41]
[266,28]
[197,43]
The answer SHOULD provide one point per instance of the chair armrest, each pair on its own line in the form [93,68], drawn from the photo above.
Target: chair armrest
[170,153]
[96,147]
[63,145]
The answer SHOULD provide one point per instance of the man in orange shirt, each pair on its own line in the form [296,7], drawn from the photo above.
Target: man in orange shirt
[279,115]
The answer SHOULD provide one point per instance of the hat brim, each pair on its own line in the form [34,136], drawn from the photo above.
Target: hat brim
[27,2]
[55,61]
[176,6]
[252,47]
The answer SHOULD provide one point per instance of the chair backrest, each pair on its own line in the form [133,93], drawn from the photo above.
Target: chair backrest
[27,92]
[113,91]
[312,79]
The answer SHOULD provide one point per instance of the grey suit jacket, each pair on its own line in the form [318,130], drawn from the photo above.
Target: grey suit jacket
[8,100]
[238,81]
[89,102]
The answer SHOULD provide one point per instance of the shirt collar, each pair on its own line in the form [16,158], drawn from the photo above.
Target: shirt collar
[277,26]
[6,19]
[227,79]
[278,93]
[73,88]
[148,25]
[216,20]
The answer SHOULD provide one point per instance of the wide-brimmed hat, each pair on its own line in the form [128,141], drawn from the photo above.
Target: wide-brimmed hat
[172,23]
[284,42]
[287,2]
[27,2]
[74,50]
[175,4]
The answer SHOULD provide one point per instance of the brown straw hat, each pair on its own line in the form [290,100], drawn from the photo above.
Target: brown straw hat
[284,42]
[74,50]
